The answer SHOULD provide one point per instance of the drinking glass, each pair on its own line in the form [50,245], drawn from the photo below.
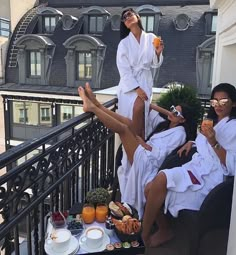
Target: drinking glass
[206,122]
[88,213]
[101,212]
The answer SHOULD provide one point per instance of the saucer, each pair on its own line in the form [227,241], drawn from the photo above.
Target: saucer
[73,248]
[106,241]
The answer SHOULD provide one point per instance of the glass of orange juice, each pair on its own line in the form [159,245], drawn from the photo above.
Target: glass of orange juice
[88,213]
[207,123]
[101,212]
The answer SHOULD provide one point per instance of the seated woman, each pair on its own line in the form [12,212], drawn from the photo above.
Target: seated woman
[187,186]
[145,158]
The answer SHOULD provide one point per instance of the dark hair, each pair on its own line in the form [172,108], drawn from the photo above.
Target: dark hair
[231,92]
[190,124]
[124,31]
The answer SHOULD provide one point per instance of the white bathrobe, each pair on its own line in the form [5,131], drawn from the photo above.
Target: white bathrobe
[146,164]
[136,63]
[189,184]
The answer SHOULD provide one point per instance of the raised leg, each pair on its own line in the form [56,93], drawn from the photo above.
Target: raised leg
[127,137]
[138,117]
[92,97]
[156,195]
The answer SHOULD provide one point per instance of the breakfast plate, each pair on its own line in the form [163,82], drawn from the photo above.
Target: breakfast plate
[83,245]
[73,248]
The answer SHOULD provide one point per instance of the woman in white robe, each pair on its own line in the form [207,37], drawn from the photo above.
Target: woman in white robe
[187,186]
[137,60]
[144,158]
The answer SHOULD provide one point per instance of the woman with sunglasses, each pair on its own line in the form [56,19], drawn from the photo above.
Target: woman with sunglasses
[137,59]
[186,187]
[144,158]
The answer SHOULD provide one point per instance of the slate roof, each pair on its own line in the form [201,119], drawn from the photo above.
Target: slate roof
[179,54]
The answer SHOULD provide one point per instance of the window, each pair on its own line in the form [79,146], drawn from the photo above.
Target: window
[148,22]
[95,24]
[45,114]
[84,66]
[35,63]
[23,115]
[213,23]
[49,24]
[66,113]
[4,27]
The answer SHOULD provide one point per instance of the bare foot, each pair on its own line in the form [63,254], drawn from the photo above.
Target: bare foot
[160,237]
[91,95]
[88,106]
[146,240]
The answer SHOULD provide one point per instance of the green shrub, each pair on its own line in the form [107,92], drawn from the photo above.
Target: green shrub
[182,94]
[98,195]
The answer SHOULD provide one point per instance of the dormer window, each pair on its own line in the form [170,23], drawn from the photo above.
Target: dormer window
[34,63]
[49,24]
[150,16]
[96,24]
[48,18]
[84,66]
[148,22]
[211,22]
[95,18]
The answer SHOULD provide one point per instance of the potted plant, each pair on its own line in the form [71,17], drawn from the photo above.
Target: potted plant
[97,196]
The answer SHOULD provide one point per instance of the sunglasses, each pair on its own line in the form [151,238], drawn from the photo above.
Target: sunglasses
[127,15]
[220,102]
[176,112]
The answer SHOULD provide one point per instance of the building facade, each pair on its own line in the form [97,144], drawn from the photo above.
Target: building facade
[57,45]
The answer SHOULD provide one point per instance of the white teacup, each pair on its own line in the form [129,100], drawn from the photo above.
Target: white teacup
[93,237]
[60,240]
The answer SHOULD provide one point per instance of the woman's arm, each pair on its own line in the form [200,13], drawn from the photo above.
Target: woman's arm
[209,133]
[143,144]
[159,109]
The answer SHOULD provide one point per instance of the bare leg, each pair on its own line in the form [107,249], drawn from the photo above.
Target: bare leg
[92,97]
[138,117]
[156,197]
[127,137]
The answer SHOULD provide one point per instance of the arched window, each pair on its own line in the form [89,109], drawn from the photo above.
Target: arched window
[48,18]
[150,17]
[34,59]
[95,18]
[84,60]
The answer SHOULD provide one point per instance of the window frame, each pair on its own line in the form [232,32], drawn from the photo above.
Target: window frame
[85,77]
[96,16]
[8,30]
[50,17]
[29,70]
[147,16]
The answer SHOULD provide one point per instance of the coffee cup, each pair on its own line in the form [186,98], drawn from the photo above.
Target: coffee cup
[93,237]
[60,240]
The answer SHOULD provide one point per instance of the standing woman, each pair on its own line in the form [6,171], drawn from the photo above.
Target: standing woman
[136,60]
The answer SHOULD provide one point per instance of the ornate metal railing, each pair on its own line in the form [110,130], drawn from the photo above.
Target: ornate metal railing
[70,160]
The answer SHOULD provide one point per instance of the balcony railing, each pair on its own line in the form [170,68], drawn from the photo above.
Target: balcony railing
[71,160]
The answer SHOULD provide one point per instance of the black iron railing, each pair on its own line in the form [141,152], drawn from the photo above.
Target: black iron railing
[71,159]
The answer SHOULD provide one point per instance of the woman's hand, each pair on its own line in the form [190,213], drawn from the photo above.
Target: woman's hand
[159,49]
[142,143]
[141,93]
[210,134]
[186,147]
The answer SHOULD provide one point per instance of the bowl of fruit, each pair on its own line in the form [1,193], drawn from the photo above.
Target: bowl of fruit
[59,219]
[76,227]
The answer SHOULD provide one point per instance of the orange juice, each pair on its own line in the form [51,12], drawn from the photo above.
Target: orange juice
[157,42]
[88,213]
[101,212]
[207,123]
